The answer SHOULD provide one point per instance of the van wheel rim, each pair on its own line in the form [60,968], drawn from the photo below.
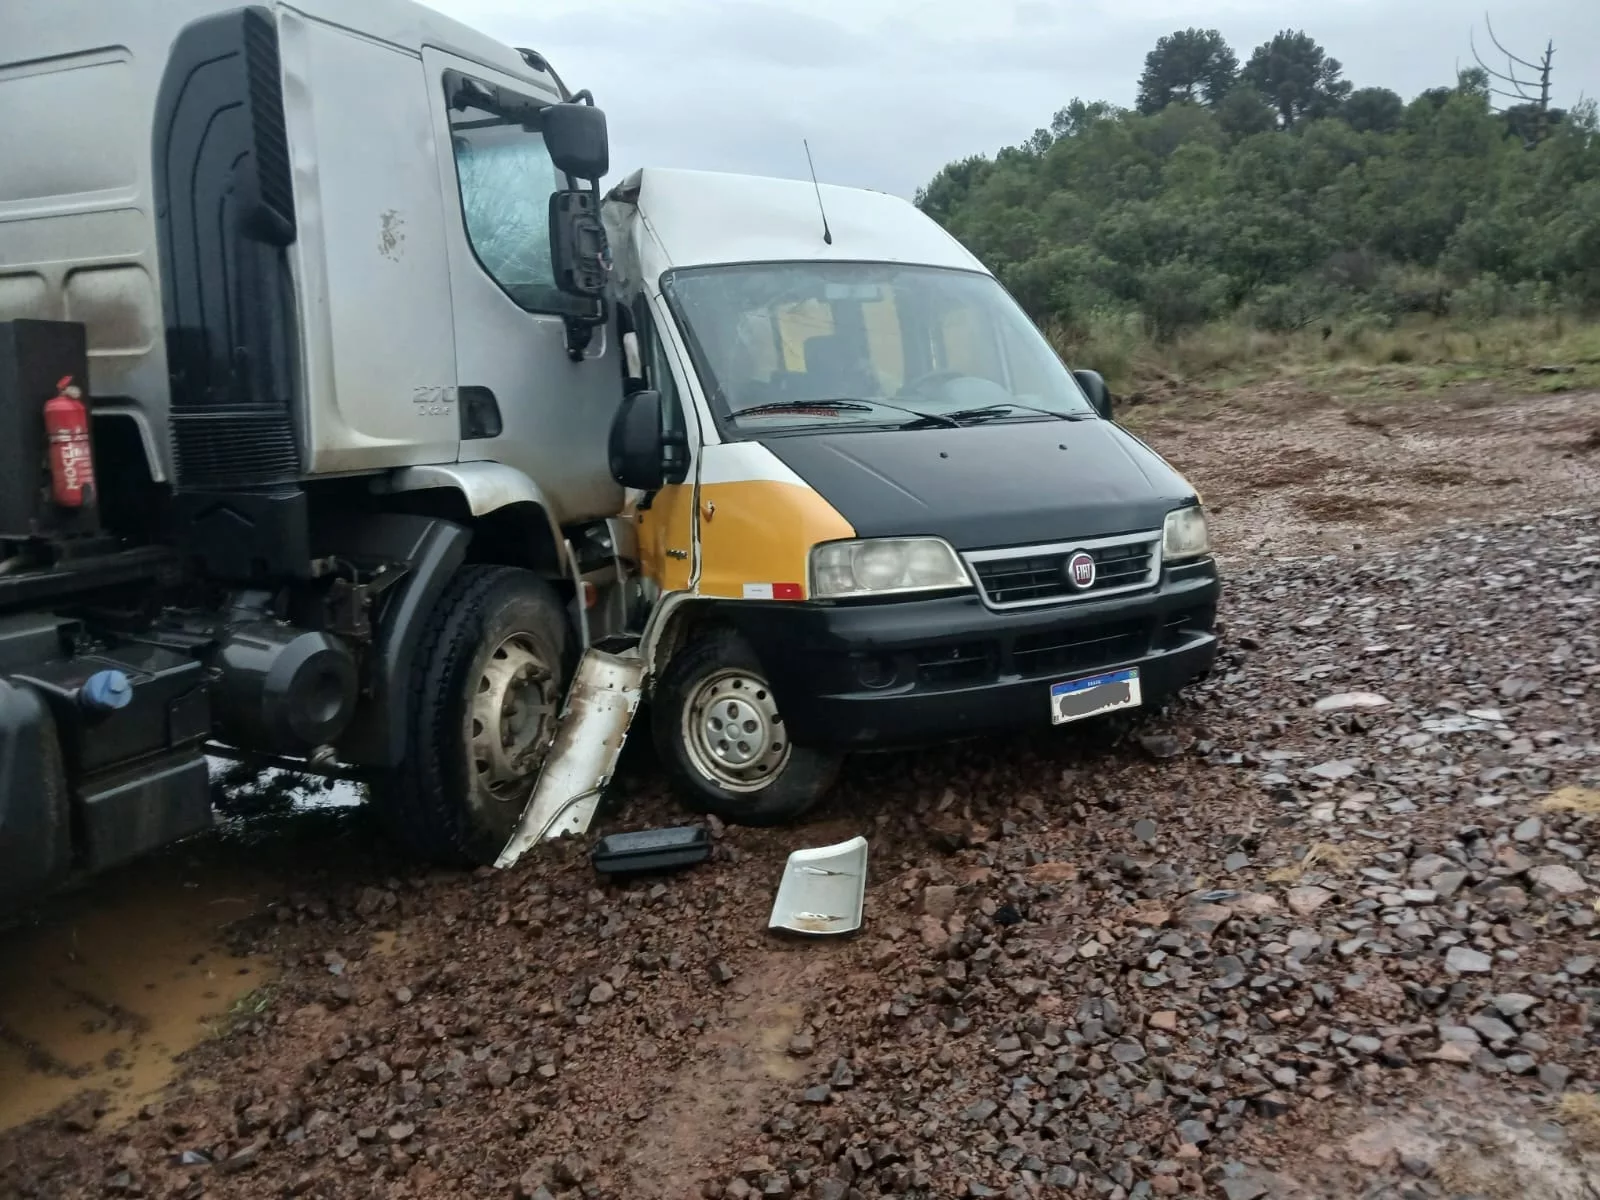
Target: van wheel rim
[734,732]
[509,720]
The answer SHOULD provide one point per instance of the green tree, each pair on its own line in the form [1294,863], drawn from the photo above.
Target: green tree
[1076,117]
[946,190]
[1245,111]
[1374,110]
[1297,77]
[1192,65]
[1120,219]
[1529,124]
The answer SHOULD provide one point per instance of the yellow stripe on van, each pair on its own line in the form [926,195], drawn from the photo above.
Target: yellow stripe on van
[761,531]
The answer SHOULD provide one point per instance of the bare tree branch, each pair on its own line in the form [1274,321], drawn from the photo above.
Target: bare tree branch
[1503,78]
[1510,56]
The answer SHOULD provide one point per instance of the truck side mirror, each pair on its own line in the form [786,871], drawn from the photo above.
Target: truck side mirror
[575,136]
[1095,388]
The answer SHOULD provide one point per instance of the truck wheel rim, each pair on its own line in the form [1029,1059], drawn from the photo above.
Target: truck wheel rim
[734,733]
[512,707]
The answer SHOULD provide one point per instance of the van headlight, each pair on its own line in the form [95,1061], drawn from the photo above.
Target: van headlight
[882,566]
[1185,535]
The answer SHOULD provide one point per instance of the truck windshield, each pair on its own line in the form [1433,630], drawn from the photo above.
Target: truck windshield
[775,343]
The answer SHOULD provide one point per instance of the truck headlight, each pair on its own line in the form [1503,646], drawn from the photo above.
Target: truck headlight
[881,566]
[1184,535]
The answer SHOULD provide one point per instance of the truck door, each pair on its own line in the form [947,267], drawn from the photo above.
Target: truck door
[524,402]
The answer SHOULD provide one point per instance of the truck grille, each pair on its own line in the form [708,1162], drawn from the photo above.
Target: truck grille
[1039,574]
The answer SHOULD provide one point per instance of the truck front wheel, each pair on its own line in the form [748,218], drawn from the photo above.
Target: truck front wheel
[718,729]
[485,694]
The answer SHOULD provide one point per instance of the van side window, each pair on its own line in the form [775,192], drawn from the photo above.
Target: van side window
[505,176]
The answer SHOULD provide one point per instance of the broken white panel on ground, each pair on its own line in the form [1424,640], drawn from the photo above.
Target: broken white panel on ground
[823,890]
[594,724]
[1346,700]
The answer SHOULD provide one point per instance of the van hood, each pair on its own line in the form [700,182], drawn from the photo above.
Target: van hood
[986,486]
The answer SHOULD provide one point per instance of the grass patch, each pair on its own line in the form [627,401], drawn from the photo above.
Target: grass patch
[251,1006]
[1329,856]
[1572,799]
[1352,358]
[1579,1113]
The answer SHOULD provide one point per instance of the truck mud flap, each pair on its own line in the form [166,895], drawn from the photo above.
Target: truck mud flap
[594,724]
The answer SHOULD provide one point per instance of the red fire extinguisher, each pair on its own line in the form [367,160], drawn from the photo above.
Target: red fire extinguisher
[66,427]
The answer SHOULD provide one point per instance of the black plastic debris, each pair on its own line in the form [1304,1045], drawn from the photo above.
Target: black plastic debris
[650,850]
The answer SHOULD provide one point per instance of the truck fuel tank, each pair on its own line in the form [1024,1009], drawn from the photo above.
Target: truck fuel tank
[131,718]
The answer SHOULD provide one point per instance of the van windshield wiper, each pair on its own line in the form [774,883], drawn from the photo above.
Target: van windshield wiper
[829,407]
[964,416]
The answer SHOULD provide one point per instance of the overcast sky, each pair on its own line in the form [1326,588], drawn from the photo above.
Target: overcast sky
[888,91]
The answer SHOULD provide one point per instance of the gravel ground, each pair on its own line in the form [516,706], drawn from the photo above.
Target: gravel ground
[1325,927]
[1289,473]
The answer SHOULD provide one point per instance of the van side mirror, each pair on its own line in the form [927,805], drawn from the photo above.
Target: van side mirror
[636,449]
[643,453]
[1095,388]
[576,138]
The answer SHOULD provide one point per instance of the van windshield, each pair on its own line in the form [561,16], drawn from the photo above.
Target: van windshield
[804,347]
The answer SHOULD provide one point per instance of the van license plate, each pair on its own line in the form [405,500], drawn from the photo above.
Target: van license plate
[1077,699]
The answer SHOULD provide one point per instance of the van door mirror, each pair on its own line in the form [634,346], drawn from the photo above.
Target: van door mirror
[637,449]
[575,135]
[578,249]
[1095,388]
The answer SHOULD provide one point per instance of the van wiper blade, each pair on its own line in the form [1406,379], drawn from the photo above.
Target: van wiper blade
[965,416]
[777,406]
[833,406]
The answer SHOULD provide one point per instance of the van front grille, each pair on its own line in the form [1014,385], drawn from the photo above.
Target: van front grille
[1042,574]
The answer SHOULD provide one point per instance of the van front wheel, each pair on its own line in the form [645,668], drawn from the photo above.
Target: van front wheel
[718,728]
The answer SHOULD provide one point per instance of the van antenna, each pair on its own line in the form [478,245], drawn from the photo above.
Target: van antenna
[827,234]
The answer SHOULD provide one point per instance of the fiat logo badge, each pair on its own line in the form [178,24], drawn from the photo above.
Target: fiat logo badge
[1080,570]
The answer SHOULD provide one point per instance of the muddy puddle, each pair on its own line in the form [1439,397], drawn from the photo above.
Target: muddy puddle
[105,985]
[107,988]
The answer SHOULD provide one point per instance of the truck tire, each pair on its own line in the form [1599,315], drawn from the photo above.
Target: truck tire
[491,670]
[718,730]
[35,818]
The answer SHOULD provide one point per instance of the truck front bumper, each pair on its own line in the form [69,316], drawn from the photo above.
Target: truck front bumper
[913,671]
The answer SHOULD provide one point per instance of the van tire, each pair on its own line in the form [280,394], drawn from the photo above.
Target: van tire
[498,639]
[718,668]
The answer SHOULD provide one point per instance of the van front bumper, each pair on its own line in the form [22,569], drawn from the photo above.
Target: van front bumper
[911,671]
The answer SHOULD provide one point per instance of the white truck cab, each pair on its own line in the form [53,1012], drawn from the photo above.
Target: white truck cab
[346,408]
[394,295]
